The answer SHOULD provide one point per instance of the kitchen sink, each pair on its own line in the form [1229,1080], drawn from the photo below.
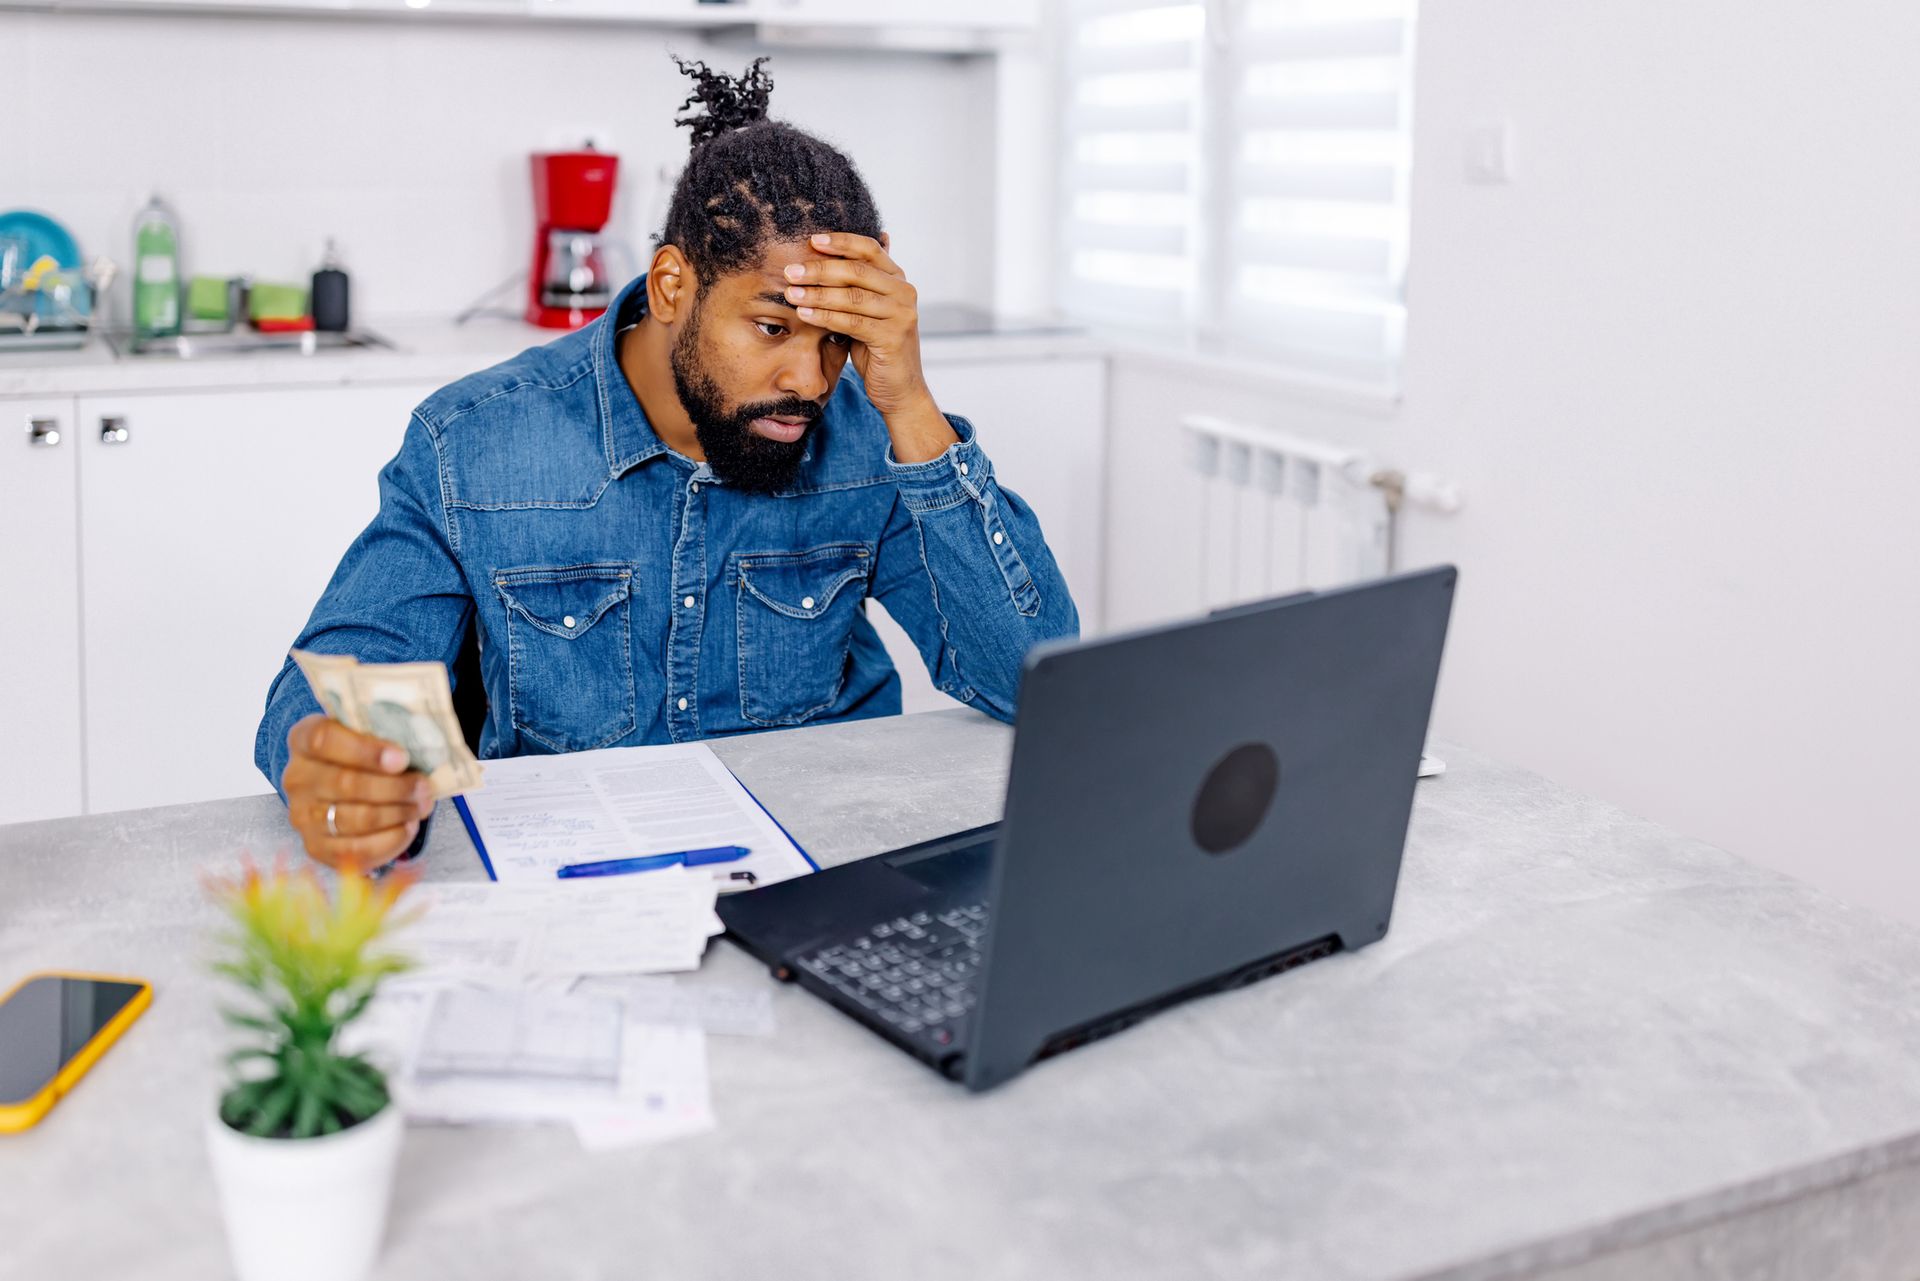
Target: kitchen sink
[243,342]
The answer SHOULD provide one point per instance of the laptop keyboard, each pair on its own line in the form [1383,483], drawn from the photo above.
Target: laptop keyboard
[915,972]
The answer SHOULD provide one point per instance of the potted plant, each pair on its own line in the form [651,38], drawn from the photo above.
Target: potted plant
[306,1135]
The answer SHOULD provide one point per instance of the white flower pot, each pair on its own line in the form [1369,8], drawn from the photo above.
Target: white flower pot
[306,1209]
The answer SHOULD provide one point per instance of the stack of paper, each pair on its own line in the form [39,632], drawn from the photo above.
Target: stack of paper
[485,1029]
[469,1056]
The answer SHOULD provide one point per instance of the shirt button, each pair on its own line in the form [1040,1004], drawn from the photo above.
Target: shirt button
[567,621]
[998,538]
[695,487]
[688,602]
[806,603]
[683,704]
[963,469]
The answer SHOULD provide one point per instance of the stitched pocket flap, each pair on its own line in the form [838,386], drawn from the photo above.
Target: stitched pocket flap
[803,584]
[564,601]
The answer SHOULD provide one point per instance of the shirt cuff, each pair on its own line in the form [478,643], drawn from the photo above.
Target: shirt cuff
[955,476]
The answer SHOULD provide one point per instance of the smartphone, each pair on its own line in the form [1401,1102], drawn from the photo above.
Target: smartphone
[52,1029]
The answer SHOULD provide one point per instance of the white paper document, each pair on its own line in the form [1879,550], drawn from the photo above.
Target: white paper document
[466,1056]
[559,1043]
[664,1092]
[722,1009]
[541,813]
[540,934]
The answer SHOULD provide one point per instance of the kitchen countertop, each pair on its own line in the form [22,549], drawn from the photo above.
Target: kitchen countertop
[426,351]
[1589,1049]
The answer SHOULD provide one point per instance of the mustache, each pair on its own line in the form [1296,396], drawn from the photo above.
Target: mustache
[805,410]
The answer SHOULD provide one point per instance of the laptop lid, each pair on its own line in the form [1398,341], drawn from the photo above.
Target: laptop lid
[1186,801]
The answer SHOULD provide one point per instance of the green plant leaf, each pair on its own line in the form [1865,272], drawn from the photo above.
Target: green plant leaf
[238,1104]
[251,1022]
[247,1094]
[364,1070]
[307,1113]
[357,1007]
[358,1096]
[273,1109]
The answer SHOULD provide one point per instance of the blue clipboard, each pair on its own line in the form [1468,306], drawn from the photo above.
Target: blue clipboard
[480,846]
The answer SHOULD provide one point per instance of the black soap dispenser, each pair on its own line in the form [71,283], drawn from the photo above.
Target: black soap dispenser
[330,294]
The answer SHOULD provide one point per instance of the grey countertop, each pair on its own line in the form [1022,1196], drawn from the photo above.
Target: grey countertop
[1589,1048]
[436,351]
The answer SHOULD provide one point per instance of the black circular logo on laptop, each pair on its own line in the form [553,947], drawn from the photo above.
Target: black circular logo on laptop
[1235,797]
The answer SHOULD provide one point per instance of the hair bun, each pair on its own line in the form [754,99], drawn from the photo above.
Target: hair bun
[729,102]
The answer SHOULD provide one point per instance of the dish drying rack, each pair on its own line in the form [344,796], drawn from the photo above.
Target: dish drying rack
[56,316]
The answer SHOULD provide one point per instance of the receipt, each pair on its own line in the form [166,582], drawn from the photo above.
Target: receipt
[724,1009]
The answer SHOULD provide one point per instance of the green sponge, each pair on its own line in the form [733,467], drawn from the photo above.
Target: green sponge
[277,302]
[207,298]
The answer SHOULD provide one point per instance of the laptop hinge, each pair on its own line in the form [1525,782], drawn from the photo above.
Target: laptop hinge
[1252,972]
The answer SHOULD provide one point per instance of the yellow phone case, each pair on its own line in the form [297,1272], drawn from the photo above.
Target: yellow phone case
[15,1117]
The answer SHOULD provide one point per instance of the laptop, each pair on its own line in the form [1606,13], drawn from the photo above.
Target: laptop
[1189,808]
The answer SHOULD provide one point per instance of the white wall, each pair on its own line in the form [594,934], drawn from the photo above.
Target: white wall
[1672,366]
[409,140]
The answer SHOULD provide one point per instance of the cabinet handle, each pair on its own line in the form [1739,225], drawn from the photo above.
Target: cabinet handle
[43,432]
[113,431]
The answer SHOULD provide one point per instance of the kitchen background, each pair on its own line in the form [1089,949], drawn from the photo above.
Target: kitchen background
[407,141]
[1662,362]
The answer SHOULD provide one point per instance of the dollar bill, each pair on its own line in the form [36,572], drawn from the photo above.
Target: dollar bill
[408,704]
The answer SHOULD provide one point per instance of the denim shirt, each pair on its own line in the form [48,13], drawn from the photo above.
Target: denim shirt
[623,594]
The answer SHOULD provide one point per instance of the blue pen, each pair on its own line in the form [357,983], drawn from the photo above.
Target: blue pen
[652,862]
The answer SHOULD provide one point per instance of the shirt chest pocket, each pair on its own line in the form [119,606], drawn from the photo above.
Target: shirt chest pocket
[569,653]
[796,612]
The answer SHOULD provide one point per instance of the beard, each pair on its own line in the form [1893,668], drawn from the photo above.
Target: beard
[735,452]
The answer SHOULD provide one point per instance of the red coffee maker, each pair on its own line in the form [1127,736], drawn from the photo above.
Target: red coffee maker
[572,196]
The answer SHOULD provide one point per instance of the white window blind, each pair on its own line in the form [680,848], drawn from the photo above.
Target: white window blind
[1238,176]
[1317,187]
[1132,171]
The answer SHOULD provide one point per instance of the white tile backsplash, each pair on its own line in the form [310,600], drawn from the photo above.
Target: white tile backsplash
[408,140]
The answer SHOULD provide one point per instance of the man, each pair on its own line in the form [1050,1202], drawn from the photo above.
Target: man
[664,526]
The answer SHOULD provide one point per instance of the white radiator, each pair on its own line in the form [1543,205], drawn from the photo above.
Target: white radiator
[1281,514]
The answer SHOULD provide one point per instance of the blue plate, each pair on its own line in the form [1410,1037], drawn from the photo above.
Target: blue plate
[45,238]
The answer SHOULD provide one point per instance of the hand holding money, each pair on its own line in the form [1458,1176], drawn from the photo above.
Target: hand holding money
[362,777]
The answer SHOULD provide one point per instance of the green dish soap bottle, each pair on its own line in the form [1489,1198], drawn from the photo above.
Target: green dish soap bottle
[156,272]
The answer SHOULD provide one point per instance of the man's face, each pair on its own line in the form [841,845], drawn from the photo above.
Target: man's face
[752,375]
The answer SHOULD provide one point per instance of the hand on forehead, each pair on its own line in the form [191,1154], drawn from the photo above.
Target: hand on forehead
[837,258]
[851,245]
[821,250]
[823,258]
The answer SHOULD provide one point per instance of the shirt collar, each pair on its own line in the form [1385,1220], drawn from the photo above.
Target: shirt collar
[627,436]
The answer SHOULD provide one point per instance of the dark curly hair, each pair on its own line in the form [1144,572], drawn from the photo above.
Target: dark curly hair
[750,181]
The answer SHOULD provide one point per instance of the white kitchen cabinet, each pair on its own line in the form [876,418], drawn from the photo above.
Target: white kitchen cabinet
[40,754]
[210,522]
[1043,423]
